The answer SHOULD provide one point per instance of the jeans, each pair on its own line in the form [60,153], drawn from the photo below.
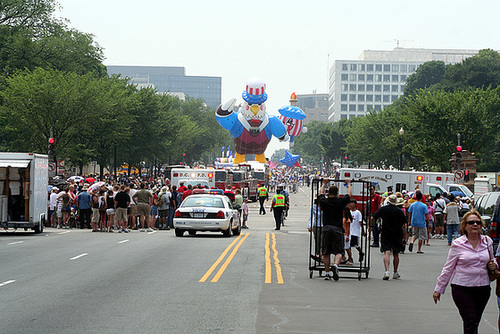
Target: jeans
[471,302]
[170,218]
[262,210]
[452,230]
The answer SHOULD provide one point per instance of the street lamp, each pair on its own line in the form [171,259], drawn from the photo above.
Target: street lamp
[401,133]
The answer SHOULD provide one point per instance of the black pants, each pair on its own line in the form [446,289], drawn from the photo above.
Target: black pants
[85,217]
[471,302]
[278,211]
[262,210]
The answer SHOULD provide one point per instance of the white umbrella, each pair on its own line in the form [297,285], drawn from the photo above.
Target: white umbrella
[96,186]
[75,178]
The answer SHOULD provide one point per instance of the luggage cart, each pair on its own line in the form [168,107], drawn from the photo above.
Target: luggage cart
[360,188]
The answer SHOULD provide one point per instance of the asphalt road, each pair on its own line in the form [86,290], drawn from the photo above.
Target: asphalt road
[81,282]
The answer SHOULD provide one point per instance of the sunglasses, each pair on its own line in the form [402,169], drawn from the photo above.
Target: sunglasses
[472,222]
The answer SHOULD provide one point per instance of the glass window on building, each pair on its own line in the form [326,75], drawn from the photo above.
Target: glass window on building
[369,67]
[387,88]
[361,98]
[378,77]
[378,107]
[352,97]
[361,88]
[403,78]
[387,78]
[352,77]
[404,68]
[344,67]
[344,87]
[378,67]
[378,98]
[361,77]
[352,87]
[361,67]
[387,67]
[395,78]
[343,116]
[344,77]
[354,67]
[369,88]
[394,88]
[369,98]
[386,98]
[412,68]
[352,107]
[343,97]
[402,88]
[361,107]
[378,88]
[394,98]
[369,77]
[343,107]
[395,68]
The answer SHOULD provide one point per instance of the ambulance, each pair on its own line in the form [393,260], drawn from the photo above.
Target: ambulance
[409,181]
[193,176]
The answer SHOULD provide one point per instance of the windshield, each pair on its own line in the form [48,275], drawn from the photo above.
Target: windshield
[220,176]
[259,175]
[237,177]
[208,202]
[466,191]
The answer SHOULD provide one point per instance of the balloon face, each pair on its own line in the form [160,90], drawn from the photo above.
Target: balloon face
[293,126]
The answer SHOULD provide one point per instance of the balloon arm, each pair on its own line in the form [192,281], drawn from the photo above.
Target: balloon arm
[284,138]
[226,108]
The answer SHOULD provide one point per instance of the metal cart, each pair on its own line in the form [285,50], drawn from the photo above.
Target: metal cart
[361,195]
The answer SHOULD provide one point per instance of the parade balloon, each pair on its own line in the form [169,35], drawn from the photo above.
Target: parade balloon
[290,159]
[292,117]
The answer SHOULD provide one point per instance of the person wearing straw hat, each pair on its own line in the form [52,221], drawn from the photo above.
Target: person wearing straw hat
[393,233]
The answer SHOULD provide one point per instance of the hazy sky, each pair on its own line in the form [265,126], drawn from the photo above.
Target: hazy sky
[287,43]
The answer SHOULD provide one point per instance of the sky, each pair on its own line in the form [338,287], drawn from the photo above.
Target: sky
[290,44]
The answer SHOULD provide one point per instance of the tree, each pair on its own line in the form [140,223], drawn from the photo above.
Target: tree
[427,75]
[307,145]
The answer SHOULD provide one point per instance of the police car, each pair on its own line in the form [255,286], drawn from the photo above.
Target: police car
[207,212]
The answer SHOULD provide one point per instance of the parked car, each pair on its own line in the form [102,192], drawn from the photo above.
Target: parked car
[207,212]
[488,205]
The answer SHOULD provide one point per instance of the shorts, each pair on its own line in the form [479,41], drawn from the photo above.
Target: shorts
[154,210]
[133,210]
[121,214]
[420,233]
[431,224]
[394,245]
[163,213]
[95,215]
[59,214]
[354,241]
[332,240]
[110,212]
[347,244]
[245,217]
[439,220]
[143,209]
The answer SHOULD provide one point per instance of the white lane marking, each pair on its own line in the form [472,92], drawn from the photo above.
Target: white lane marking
[151,232]
[79,256]
[123,241]
[16,243]
[7,282]
[64,232]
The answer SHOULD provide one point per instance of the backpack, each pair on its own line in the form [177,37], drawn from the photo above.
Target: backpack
[158,200]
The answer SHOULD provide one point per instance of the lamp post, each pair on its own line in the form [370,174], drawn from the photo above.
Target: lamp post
[401,133]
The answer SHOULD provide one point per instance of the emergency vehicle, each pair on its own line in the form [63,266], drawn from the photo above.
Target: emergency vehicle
[204,177]
[221,178]
[426,182]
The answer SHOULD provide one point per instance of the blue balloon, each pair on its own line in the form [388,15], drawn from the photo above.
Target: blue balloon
[292,112]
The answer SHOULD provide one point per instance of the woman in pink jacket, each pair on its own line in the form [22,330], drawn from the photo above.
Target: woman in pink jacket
[468,261]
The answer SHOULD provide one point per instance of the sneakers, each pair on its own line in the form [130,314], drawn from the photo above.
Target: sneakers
[410,247]
[143,230]
[396,275]
[150,230]
[386,276]
[335,272]
[328,276]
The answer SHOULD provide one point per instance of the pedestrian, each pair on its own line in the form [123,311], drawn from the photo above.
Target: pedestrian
[174,195]
[356,230]
[315,226]
[469,260]
[53,206]
[122,201]
[83,201]
[451,217]
[132,206]
[102,210]
[278,208]
[153,214]
[439,205]
[244,210]
[110,209]
[430,228]
[164,206]
[419,221]
[375,203]
[95,211]
[393,234]
[332,232]
[263,196]
[142,198]
[346,226]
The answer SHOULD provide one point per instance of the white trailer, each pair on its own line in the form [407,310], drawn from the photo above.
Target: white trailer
[427,182]
[23,190]
[193,176]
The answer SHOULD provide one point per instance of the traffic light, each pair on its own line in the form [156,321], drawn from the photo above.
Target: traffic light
[52,142]
[458,154]
[466,175]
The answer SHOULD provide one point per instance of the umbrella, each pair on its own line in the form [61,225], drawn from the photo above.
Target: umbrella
[90,180]
[96,186]
[457,193]
[75,178]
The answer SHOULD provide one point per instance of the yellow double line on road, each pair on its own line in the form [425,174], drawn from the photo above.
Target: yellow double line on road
[272,245]
[242,237]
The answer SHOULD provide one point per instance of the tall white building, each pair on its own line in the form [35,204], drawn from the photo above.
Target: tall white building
[378,78]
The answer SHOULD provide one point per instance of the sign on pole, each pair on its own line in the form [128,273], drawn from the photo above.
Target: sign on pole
[459,174]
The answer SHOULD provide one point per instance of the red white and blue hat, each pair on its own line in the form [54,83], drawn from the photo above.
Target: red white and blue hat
[255,92]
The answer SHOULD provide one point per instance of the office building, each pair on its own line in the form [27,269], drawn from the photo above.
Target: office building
[173,81]
[378,78]
[315,106]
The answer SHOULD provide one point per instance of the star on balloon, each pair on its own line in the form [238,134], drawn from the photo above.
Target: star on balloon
[290,159]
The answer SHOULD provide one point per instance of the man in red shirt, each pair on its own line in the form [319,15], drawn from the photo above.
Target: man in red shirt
[187,192]
[182,188]
[375,201]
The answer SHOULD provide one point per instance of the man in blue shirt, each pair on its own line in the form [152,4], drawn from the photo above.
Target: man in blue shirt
[419,221]
[83,201]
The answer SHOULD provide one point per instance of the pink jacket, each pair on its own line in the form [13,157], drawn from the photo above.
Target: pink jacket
[466,264]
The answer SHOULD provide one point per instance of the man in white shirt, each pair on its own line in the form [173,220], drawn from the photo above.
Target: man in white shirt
[356,227]
[53,206]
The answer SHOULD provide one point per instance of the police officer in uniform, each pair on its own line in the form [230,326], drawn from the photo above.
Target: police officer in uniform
[278,206]
[263,196]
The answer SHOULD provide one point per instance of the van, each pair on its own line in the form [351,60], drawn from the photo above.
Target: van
[488,206]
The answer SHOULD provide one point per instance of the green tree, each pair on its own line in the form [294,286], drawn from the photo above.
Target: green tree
[307,145]
[427,75]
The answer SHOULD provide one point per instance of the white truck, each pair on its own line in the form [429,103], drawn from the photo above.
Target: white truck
[427,182]
[192,176]
[23,190]
[461,188]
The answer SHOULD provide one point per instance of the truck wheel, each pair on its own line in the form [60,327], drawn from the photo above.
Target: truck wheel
[227,233]
[237,230]
[192,232]
[179,232]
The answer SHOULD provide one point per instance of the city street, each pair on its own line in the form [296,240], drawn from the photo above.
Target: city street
[75,281]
